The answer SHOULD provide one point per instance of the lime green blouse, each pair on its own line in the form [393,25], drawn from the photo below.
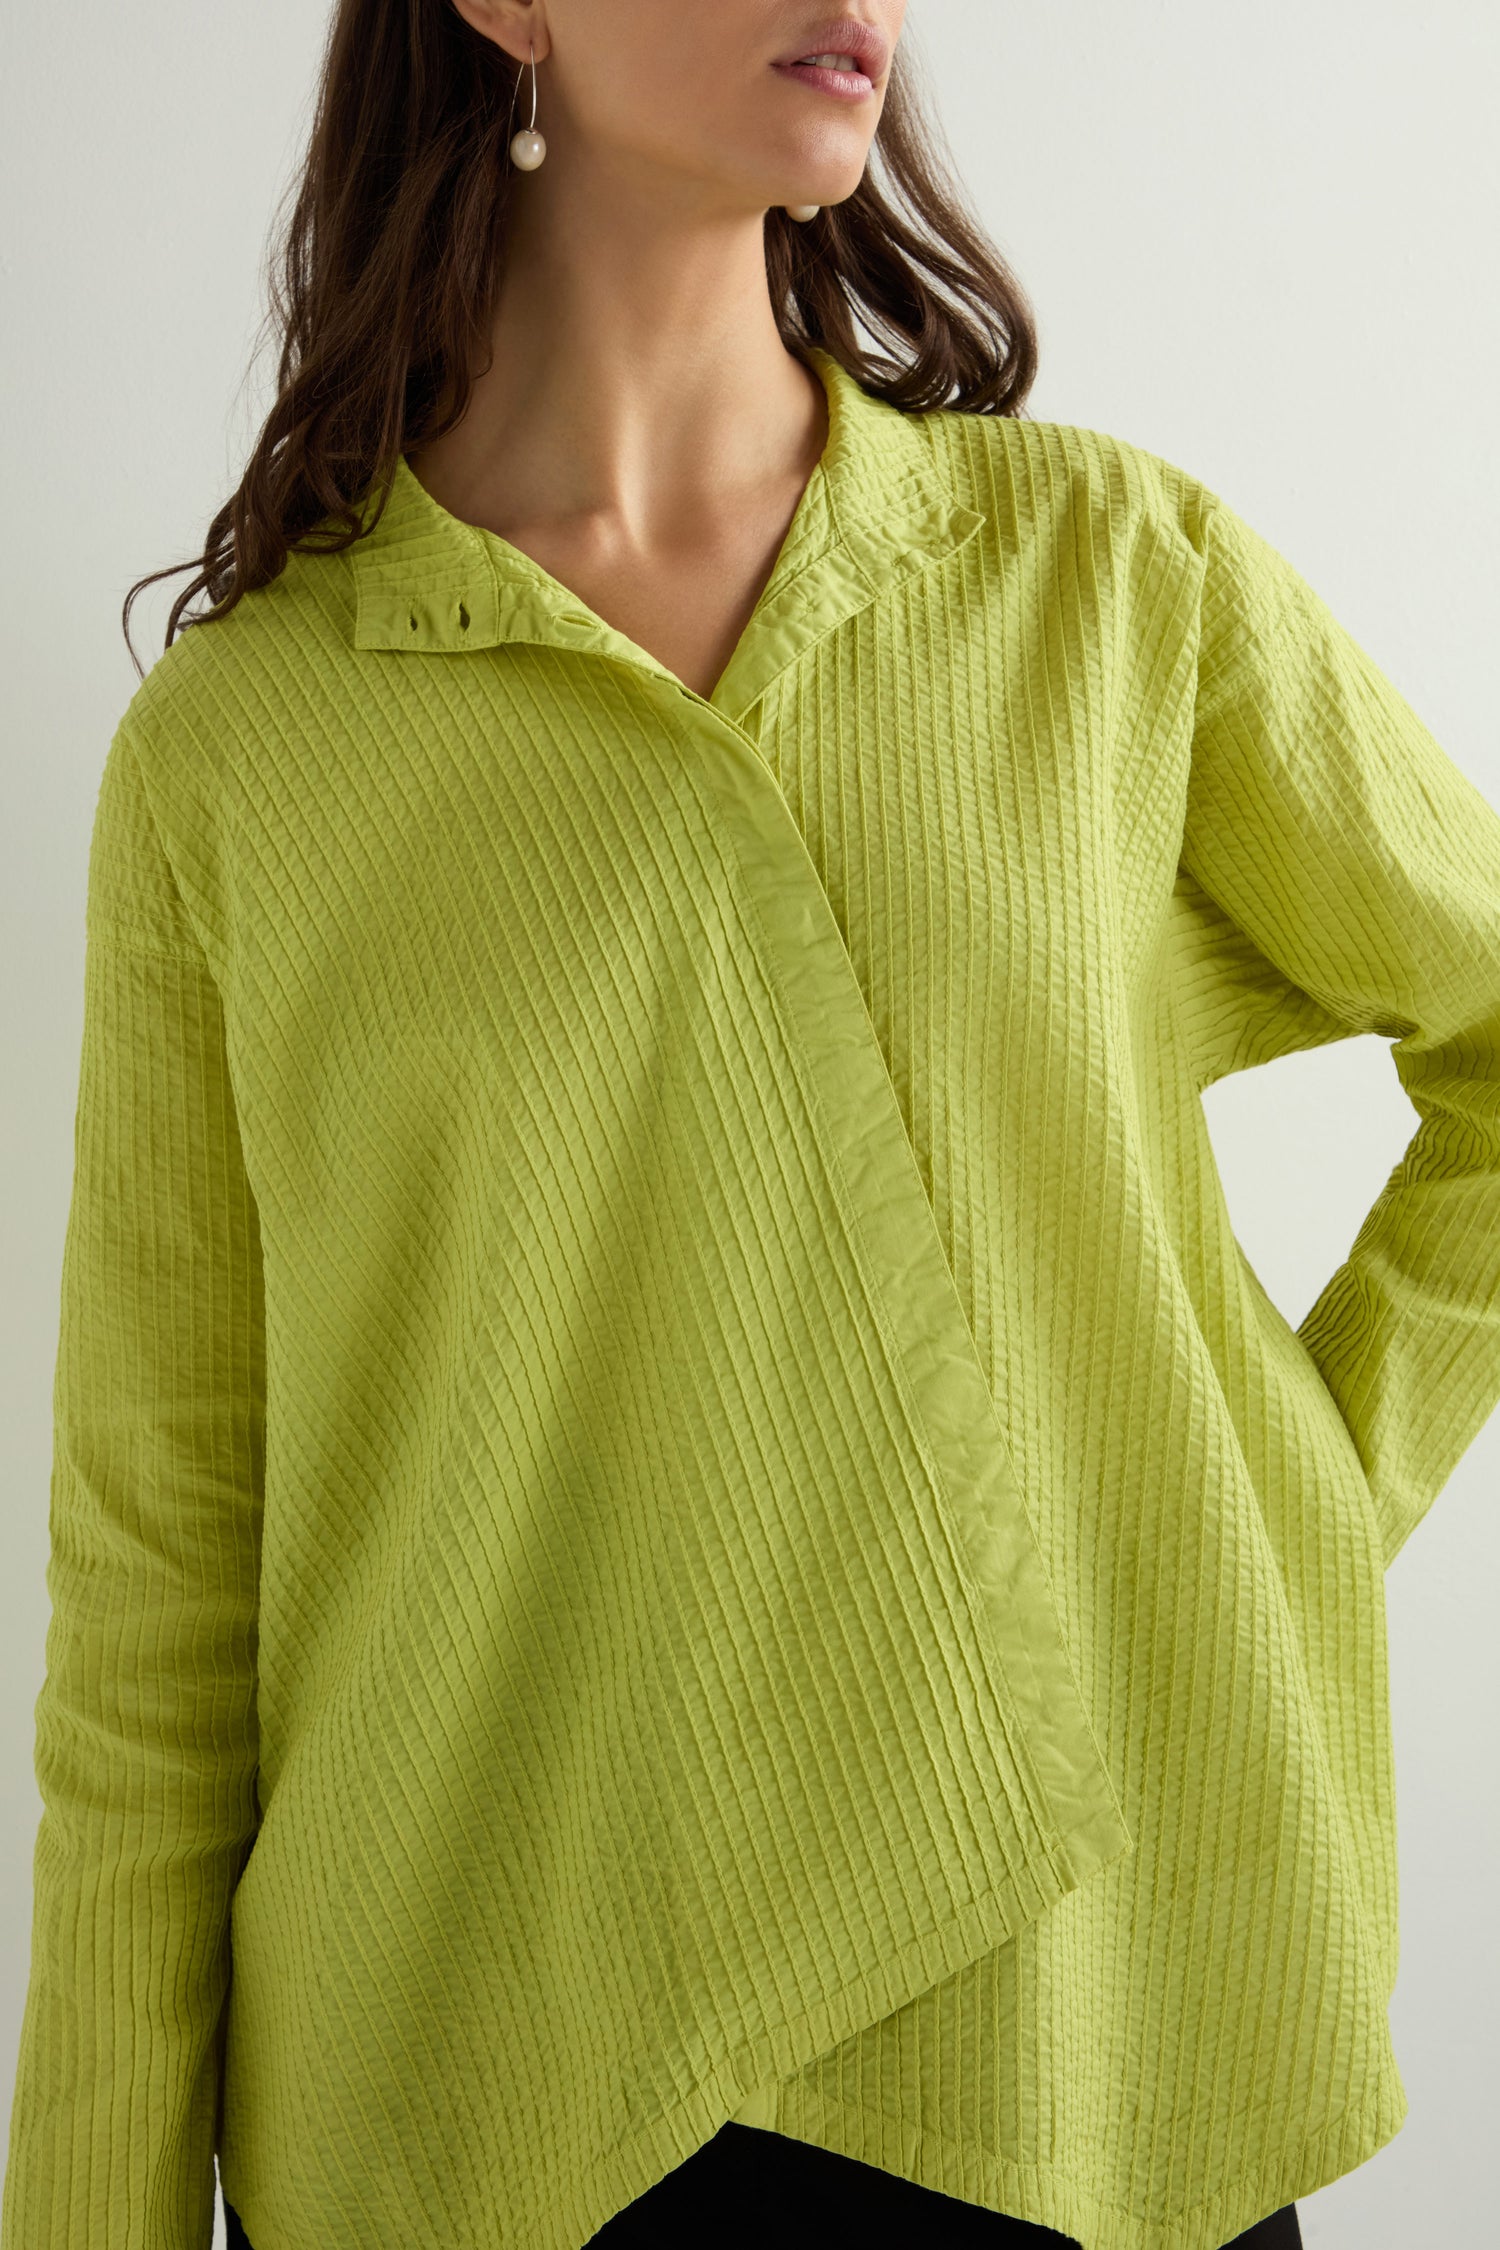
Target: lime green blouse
[673,1497]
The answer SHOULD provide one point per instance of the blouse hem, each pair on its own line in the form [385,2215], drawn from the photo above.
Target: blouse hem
[1046,2195]
[1041,2193]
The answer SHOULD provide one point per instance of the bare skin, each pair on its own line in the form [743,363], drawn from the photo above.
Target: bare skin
[642,432]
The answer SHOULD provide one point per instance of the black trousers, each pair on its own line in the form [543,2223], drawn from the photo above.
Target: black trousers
[747,2185]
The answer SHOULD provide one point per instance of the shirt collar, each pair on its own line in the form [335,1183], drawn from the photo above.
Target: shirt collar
[875,511]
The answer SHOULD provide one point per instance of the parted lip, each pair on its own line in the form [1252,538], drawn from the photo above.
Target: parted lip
[844,35]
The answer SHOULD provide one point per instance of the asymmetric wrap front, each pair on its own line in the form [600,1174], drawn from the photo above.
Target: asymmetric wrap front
[673,1496]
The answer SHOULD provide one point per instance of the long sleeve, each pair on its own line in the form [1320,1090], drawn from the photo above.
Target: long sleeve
[146,1745]
[1365,866]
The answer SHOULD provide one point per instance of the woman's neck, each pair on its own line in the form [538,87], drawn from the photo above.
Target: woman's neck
[638,390]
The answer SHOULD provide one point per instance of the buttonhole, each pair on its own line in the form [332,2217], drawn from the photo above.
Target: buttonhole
[463,618]
[412,620]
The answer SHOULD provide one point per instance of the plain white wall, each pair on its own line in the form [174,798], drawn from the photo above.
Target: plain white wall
[1260,242]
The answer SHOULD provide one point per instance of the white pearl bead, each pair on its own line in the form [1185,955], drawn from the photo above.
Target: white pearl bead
[527,149]
[803,211]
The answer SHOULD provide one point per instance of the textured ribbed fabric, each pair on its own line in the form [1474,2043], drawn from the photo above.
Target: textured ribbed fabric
[673,1497]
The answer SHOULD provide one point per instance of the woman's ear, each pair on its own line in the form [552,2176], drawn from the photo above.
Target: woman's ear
[515,25]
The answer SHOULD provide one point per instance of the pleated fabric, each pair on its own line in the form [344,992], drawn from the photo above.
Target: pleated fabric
[673,1498]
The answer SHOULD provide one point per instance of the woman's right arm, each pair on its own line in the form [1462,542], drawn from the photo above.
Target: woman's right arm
[146,1747]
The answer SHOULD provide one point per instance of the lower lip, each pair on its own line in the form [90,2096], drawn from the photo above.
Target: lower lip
[849,85]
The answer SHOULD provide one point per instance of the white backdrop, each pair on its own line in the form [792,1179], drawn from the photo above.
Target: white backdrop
[1260,242]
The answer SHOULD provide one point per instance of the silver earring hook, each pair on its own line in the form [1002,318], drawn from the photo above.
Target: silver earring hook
[532,119]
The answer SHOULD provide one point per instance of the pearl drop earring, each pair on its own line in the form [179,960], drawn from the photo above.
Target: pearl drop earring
[802,212]
[527,147]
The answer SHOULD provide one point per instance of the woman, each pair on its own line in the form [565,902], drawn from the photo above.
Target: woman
[696,1595]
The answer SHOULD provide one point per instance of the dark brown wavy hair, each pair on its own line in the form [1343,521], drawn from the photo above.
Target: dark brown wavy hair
[383,280]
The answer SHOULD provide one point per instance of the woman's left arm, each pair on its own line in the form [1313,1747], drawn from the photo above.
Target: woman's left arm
[1331,827]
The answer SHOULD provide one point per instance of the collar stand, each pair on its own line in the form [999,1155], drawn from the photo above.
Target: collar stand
[875,510]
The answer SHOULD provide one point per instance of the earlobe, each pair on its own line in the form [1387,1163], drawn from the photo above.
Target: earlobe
[516,26]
